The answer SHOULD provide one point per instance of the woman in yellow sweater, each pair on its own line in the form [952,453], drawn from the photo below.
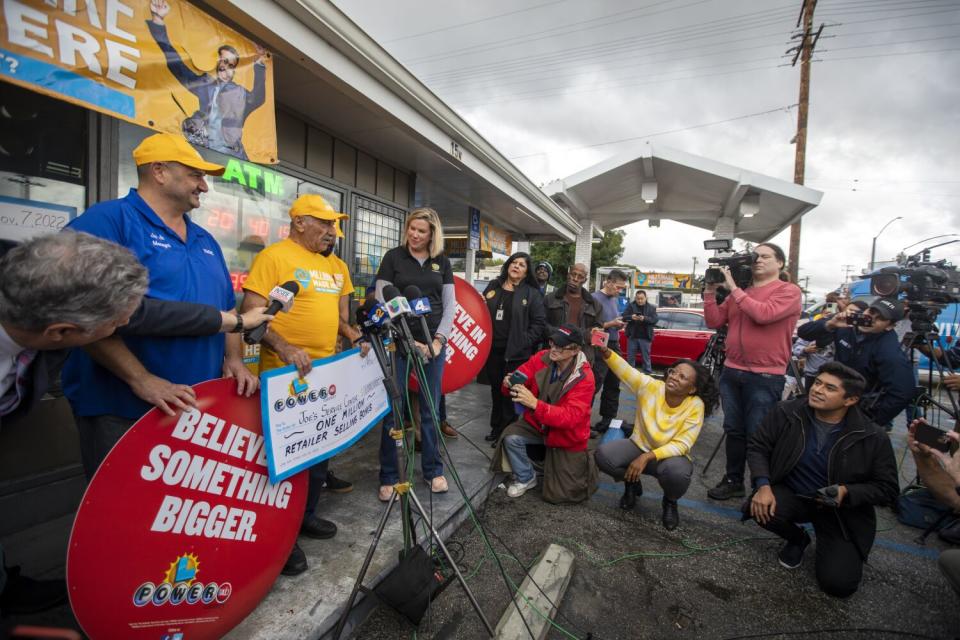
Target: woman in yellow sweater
[670,413]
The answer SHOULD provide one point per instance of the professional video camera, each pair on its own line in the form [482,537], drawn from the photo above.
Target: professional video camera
[927,286]
[740,265]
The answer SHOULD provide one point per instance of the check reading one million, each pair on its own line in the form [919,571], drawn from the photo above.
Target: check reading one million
[307,420]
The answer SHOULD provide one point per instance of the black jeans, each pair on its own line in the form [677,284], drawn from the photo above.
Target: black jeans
[839,565]
[501,406]
[746,397]
[607,380]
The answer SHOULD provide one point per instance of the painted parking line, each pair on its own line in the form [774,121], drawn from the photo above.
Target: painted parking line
[616,489]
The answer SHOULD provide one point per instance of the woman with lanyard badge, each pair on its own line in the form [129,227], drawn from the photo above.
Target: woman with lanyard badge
[420,261]
[519,321]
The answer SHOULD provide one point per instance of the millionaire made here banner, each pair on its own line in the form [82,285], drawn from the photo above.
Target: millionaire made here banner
[162,64]
[307,420]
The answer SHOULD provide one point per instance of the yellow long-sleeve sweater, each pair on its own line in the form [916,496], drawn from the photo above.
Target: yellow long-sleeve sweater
[659,428]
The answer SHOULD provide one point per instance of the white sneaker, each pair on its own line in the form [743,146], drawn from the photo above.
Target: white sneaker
[517,489]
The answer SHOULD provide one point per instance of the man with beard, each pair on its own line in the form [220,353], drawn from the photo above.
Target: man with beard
[573,304]
[224,105]
[309,330]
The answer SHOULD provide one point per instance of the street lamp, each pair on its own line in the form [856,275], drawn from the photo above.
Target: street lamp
[873,248]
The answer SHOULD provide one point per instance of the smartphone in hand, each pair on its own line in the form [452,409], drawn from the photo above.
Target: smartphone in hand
[599,339]
[932,437]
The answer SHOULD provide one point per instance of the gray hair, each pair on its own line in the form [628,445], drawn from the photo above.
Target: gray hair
[68,277]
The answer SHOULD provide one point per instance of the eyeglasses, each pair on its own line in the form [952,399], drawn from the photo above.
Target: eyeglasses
[569,347]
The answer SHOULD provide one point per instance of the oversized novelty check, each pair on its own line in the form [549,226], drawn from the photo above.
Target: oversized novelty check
[307,420]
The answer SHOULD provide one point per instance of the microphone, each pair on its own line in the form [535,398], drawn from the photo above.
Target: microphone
[421,308]
[281,299]
[397,308]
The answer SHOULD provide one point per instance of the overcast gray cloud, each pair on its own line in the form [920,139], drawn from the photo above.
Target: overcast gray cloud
[548,79]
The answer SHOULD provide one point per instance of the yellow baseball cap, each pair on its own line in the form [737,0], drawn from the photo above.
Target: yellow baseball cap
[311,204]
[172,147]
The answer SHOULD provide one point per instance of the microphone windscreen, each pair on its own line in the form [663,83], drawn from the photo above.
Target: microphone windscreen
[412,292]
[291,286]
[390,292]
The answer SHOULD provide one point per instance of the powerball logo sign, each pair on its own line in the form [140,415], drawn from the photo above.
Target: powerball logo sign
[180,585]
[300,393]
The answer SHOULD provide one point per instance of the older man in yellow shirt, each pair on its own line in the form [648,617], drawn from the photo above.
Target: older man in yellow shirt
[309,330]
[669,417]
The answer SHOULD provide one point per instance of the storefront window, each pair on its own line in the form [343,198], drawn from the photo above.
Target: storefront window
[42,163]
[377,231]
[246,209]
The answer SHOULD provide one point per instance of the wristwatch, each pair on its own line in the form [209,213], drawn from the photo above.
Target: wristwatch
[239,327]
[442,338]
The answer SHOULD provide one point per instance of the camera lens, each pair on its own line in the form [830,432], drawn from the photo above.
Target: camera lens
[885,285]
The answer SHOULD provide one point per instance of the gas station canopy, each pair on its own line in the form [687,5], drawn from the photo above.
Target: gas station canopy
[661,183]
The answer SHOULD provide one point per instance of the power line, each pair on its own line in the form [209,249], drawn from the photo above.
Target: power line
[471,22]
[887,55]
[659,133]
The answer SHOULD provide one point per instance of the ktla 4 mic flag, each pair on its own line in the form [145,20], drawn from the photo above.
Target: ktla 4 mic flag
[307,420]
[162,64]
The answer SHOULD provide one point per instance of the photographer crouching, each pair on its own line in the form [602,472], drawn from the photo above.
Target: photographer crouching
[760,321]
[867,343]
[819,459]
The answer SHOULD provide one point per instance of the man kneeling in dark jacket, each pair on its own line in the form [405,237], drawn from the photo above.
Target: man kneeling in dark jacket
[819,459]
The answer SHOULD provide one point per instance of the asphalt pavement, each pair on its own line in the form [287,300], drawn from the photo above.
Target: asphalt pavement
[713,577]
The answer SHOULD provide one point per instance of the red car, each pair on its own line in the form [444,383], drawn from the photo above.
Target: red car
[680,333]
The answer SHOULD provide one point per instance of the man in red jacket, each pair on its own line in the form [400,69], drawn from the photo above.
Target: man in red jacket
[556,396]
[760,321]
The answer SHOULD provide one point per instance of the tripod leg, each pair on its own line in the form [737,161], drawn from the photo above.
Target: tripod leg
[453,565]
[366,565]
[713,455]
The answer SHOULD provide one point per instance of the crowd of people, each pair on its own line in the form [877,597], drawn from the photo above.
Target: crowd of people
[138,299]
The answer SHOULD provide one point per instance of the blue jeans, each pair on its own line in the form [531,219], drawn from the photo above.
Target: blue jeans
[515,446]
[430,460]
[643,345]
[746,398]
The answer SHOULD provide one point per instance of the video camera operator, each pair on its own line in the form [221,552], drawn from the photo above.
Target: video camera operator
[760,321]
[870,347]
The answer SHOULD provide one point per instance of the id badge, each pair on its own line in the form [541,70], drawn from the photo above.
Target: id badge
[499,314]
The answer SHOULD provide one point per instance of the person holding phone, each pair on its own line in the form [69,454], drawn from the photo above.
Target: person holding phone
[556,393]
[820,459]
[641,318]
[670,414]
[516,309]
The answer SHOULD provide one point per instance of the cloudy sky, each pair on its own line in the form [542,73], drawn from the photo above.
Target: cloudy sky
[550,81]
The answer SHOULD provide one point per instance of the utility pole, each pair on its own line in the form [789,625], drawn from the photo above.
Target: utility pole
[805,289]
[847,268]
[693,274]
[804,51]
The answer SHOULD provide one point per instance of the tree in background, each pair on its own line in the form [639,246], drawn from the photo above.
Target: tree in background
[605,253]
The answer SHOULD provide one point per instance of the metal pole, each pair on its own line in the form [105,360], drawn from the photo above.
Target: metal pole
[873,252]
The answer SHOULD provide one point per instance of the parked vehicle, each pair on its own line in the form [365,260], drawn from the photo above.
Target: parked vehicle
[680,333]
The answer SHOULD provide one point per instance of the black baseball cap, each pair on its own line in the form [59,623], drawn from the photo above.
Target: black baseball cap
[567,334]
[888,309]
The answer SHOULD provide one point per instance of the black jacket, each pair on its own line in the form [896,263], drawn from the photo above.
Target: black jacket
[640,328]
[558,309]
[879,359]
[862,459]
[527,320]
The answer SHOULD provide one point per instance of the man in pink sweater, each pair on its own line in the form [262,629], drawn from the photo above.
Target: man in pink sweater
[760,321]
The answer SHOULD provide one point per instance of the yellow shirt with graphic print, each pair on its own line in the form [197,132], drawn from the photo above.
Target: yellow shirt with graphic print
[659,428]
[313,320]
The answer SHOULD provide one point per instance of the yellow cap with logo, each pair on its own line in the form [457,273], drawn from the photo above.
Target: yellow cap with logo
[173,147]
[311,204]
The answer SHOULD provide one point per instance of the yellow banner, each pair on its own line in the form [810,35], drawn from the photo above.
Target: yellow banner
[494,240]
[666,280]
[162,64]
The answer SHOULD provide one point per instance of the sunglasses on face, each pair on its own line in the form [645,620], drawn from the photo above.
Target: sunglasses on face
[569,347]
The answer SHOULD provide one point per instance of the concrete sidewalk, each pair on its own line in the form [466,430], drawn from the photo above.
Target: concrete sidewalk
[308,605]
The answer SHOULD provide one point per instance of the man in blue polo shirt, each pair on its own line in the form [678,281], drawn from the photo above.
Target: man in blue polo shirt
[109,391]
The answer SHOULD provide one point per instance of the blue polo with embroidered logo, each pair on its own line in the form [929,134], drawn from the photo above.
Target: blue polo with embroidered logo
[191,271]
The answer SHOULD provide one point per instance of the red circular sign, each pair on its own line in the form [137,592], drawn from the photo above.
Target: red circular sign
[470,338]
[180,533]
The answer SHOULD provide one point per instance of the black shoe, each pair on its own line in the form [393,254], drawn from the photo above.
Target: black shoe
[317,528]
[492,436]
[671,519]
[791,555]
[24,595]
[337,485]
[726,489]
[601,426]
[630,492]
[296,563]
